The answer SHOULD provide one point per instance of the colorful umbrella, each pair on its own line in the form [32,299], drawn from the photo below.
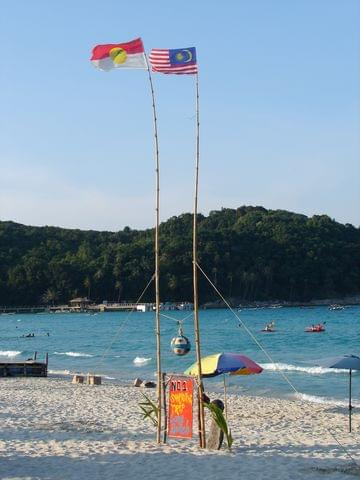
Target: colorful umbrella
[220,363]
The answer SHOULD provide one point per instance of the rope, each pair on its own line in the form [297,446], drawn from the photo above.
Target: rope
[78,393]
[271,359]
[176,319]
[246,328]
[124,323]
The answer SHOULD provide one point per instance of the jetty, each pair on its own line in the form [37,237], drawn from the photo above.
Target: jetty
[26,368]
[85,305]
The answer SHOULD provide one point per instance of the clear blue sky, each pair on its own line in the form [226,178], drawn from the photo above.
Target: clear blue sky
[279,106]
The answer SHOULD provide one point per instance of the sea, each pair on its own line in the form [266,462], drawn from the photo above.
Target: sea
[120,346]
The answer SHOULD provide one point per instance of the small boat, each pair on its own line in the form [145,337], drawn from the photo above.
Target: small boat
[315,328]
[336,307]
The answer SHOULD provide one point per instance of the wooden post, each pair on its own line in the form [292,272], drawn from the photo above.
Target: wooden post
[157,292]
[225,398]
[46,364]
[202,440]
[165,410]
[350,406]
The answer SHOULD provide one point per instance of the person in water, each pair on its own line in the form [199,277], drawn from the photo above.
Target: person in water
[269,327]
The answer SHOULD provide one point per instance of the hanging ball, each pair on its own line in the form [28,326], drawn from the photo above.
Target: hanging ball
[180,345]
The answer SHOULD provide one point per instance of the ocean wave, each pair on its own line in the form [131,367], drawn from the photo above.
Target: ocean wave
[325,400]
[70,373]
[73,354]
[60,372]
[296,368]
[141,360]
[9,353]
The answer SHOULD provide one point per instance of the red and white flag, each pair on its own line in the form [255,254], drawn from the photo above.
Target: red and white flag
[119,55]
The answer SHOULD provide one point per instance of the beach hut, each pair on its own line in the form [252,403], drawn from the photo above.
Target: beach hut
[79,303]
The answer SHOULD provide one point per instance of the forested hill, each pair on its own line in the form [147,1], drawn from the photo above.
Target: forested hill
[250,253]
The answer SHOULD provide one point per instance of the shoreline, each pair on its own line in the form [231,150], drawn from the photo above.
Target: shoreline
[54,429]
[95,309]
[289,396]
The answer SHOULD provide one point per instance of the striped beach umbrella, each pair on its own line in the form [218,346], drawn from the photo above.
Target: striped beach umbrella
[220,363]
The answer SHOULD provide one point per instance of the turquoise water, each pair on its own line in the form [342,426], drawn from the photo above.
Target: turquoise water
[108,344]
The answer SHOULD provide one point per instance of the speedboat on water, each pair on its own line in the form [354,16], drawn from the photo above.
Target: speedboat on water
[315,328]
[336,307]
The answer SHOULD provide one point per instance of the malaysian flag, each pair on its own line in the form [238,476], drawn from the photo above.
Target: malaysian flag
[180,61]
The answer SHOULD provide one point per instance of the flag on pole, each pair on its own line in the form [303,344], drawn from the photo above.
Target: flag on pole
[119,55]
[180,61]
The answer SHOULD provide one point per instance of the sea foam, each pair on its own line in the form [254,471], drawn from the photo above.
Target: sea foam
[296,368]
[60,372]
[325,401]
[9,353]
[141,361]
[73,354]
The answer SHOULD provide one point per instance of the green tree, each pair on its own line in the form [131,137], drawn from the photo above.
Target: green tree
[50,296]
[87,285]
[250,253]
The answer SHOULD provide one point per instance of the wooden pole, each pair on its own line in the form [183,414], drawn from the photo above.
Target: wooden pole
[202,438]
[165,410]
[157,294]
[225,398]
[350,406]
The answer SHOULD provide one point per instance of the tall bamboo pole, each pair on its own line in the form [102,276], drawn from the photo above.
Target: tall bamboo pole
[202,440]
[157,293]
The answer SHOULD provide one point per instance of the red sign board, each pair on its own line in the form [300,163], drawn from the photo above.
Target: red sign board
[180,407]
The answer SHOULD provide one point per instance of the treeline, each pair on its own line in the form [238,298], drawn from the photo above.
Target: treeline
[249,253]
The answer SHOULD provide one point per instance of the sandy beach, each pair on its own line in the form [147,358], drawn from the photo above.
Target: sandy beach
[52,429]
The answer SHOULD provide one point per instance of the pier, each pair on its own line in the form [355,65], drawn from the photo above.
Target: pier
[83,305]
[26,368]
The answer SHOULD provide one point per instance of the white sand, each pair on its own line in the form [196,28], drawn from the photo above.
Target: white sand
[52,429]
